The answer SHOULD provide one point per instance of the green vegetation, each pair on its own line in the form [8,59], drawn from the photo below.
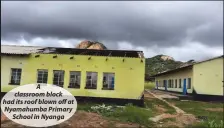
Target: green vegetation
[155,65]
[154,103]
[128,113]
[149,85]
[201,110]
[132,114]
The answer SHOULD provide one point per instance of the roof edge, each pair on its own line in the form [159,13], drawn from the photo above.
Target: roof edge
[72,48]
[222,56]
[173,70]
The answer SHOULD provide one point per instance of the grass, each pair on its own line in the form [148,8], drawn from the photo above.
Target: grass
[133,114]
[130,113]
[149,85]
[152,104]
[209,118]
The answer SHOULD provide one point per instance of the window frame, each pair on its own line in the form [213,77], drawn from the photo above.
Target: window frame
[108,81]
[42,76]
[180,83]
[175,83]
[91,79]
[11,75]
[172,83]
[189,83]
[59,78]
[76,74]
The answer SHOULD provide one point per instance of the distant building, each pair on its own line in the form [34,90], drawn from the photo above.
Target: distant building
[200,78]
[83,72]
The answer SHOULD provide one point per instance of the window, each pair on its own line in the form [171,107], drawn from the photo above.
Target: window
[176,83]
[189,83]
[169,83]
[160,83]
[108,81]
[172,83]
[74,81]
[15,76]
[164,83]
[42,76]
[91,80]
[58,78]
[180,83]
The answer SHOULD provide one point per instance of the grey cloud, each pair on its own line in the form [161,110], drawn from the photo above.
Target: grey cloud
[140,23]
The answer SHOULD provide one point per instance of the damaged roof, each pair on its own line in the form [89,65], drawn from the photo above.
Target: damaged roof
[14,49]
[26,50]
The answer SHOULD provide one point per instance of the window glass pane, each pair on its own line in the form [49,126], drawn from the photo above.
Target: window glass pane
[91,80]
[15,76]
[180,83]
[74,79]
[189,83]
[108,80]
[45,80]
[58,77]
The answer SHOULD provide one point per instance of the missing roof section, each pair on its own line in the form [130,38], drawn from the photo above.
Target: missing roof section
[73,51]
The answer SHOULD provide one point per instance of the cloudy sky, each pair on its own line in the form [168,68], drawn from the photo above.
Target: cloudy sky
[183,30]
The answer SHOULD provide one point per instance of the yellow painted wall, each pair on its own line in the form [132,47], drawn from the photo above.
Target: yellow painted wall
[182,74]
[8,62]
[129,83]
[208,77]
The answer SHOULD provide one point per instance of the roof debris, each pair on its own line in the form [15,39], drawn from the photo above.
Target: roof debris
[21,50]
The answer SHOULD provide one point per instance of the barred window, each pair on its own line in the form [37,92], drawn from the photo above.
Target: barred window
[108,81]
[172,83]
[91,80]
[75,77]
[169,82]
[176,83]
[42,75]
[15,76]
[180,83]
[189,83]
[58,78]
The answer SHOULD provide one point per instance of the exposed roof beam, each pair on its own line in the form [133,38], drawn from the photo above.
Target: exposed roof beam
[110,53]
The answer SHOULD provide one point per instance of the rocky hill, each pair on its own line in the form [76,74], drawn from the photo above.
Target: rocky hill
[91,45]
[161,63]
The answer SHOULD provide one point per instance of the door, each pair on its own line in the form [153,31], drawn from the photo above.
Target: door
[165,84]
[185,87]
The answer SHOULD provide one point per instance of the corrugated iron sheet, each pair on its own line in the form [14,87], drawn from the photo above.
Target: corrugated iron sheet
[14,49]
[26,50]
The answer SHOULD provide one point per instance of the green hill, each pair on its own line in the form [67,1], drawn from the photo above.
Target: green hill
[159,64]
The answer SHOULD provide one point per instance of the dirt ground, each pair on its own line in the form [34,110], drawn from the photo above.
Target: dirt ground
[174,120]
[215,109]
[81,119]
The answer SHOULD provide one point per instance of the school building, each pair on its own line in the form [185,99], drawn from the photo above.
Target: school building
[203,78]
[83,72]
